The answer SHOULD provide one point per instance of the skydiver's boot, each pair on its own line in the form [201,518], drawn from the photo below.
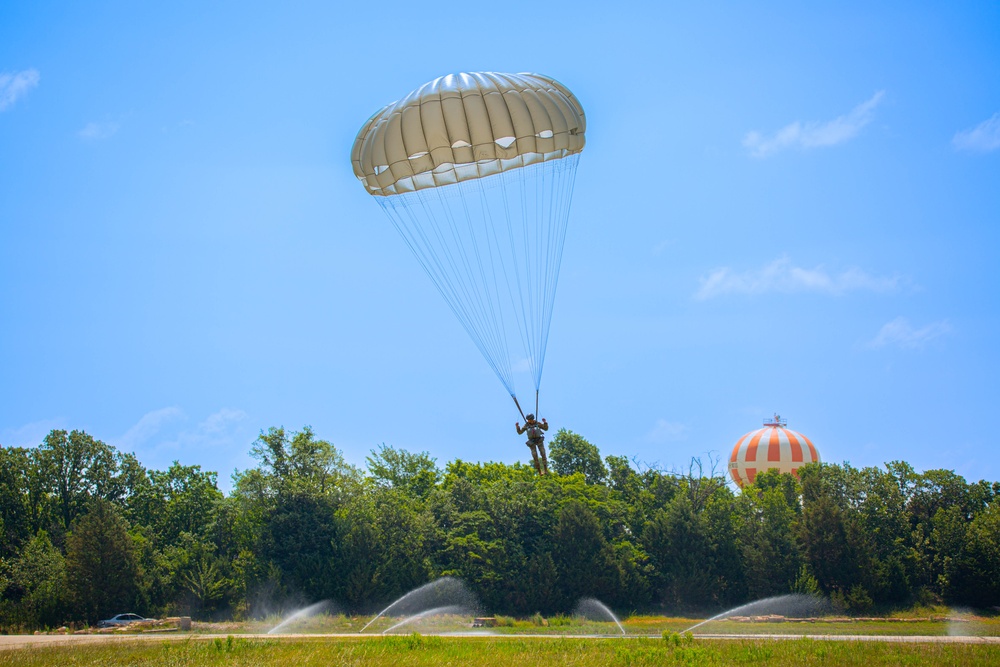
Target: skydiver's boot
[534,455]
[545,460]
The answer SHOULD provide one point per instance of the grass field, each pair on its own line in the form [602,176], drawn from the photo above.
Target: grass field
[652,640]
[416,650]
[916,622]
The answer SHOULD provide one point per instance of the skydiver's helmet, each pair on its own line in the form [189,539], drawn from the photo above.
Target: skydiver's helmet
[530,418]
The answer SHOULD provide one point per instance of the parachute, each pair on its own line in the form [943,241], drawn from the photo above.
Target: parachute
[476,172]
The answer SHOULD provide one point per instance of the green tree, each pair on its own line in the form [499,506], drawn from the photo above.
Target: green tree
[947,548]
[571,453]
[76,468]
[414,474]
[831,533]
[884,533]
[300,463]
[940,505]
[197,581]
[382,552]
[581,554]
[205,584]
[540,591]
[766,516]
[465,542]
[183,498]
[492,526]
[729,575]
[678,544]
[36,595]
[15,512]
[978,577]
[282,515]
[298,540]
[101,564]
[621,477]
[630,570]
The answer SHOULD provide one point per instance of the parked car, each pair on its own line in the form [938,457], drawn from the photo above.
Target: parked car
[121,619]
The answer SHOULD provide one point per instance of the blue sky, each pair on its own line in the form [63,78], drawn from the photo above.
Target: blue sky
[780,208]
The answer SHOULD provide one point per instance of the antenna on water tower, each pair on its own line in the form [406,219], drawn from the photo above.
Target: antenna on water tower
[775,421]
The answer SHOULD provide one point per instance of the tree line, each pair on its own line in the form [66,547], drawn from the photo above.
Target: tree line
[87,532]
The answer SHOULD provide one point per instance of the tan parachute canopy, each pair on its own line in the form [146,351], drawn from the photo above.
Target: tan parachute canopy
[465,126]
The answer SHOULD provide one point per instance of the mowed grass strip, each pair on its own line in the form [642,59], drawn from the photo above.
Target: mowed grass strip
[873,628]
[418,650]
[918,621]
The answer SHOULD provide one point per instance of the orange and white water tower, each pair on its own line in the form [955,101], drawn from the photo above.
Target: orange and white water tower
[771,447]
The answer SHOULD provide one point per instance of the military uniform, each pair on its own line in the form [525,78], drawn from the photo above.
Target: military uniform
[536,442]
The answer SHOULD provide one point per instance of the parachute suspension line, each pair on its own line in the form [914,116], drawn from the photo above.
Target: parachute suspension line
[529,250]
[489,233]
[519,407]
[533,270]
[477,321]
[450,285]
[558,224]
[523,230]
[492,325]
[553,244]
[486,295]
[542,233]
[544,251]
[493,246]
[516,253]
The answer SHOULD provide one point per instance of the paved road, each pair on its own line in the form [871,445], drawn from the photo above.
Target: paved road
[23,641]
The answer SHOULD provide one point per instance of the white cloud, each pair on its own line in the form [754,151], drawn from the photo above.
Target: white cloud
[984,137]
[217,431]
[14,86]
[148,426]
[96,131]
[664,431]
[781,276]
[221,421]
[814,134]
[901,333]
[30,435]
[154,431]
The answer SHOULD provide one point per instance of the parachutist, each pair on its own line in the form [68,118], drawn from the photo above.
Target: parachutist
[536,441]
